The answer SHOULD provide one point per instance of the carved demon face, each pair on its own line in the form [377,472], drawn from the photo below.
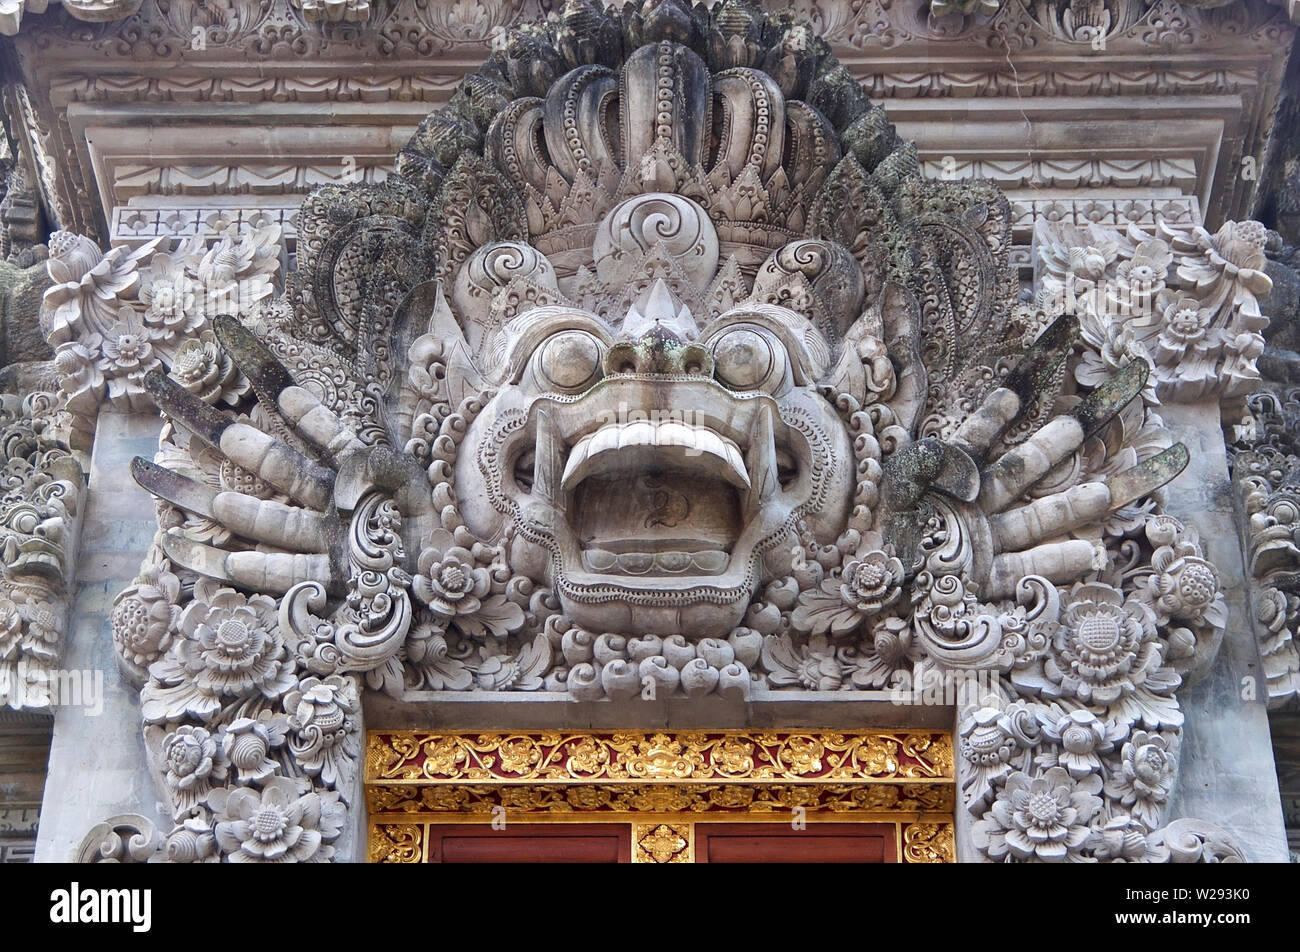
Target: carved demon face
[653,474]
[31,536]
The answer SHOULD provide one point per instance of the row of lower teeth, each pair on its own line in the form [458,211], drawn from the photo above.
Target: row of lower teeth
[707,562]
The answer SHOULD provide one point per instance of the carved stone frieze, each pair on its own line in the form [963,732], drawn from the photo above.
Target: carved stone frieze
[656,369]
[1266,474]
[114,317]
[209,49]
[41,495]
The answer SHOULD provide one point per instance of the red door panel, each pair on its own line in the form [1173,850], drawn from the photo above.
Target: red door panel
[779,843]
[523,843]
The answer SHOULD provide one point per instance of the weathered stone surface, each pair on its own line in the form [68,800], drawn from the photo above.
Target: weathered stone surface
[656,383]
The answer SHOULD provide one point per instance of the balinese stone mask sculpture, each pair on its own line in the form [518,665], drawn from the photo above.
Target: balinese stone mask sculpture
[699,346]
[657,364]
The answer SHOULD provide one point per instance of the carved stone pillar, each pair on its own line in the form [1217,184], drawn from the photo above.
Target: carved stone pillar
[97,762]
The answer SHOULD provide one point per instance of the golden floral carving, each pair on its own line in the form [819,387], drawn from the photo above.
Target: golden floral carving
[652,797]
[853,757]
[396,843]
[929,843]
[662,843]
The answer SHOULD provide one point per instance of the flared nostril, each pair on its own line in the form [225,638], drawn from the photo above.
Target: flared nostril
[621,358]
[696,361]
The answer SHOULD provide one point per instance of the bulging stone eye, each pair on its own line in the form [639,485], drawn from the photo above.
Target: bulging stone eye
[745,359]
[569,360]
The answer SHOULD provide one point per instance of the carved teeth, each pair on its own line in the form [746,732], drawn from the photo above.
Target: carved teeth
[644,442]
[704,562]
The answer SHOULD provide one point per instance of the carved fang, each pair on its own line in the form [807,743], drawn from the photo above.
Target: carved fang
[548,460]
[762,455]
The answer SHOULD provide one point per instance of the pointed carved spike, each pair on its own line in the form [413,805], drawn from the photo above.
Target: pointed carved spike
[179,490]
[548,460]
[252,356]
[1113,395]
[1044,356]
[186,409]
[196,556]
[1146,477]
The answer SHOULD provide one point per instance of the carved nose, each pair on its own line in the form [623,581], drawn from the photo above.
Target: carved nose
[657,338]
[51,530]
[658,352]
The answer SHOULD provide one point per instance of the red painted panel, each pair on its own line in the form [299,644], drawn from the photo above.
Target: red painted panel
[537,843]
[779,843]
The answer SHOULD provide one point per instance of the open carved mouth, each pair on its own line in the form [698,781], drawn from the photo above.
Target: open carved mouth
[656,494]
[29,554]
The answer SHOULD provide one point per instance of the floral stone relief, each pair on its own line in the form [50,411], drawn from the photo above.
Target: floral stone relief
[113,317]
[1266,473]
[41,495]
[656,369]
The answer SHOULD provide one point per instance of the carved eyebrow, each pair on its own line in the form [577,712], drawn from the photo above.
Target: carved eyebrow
[522,335]
[804,344]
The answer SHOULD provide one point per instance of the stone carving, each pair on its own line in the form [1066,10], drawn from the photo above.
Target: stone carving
[1187,304]
[22,274]
[41,492]
[332,11]
[94,11]
[655,369]
[121,839]
[1266,474]
[113,317]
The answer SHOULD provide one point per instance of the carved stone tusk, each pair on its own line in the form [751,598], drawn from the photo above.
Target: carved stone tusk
[762,462]
[548,460]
